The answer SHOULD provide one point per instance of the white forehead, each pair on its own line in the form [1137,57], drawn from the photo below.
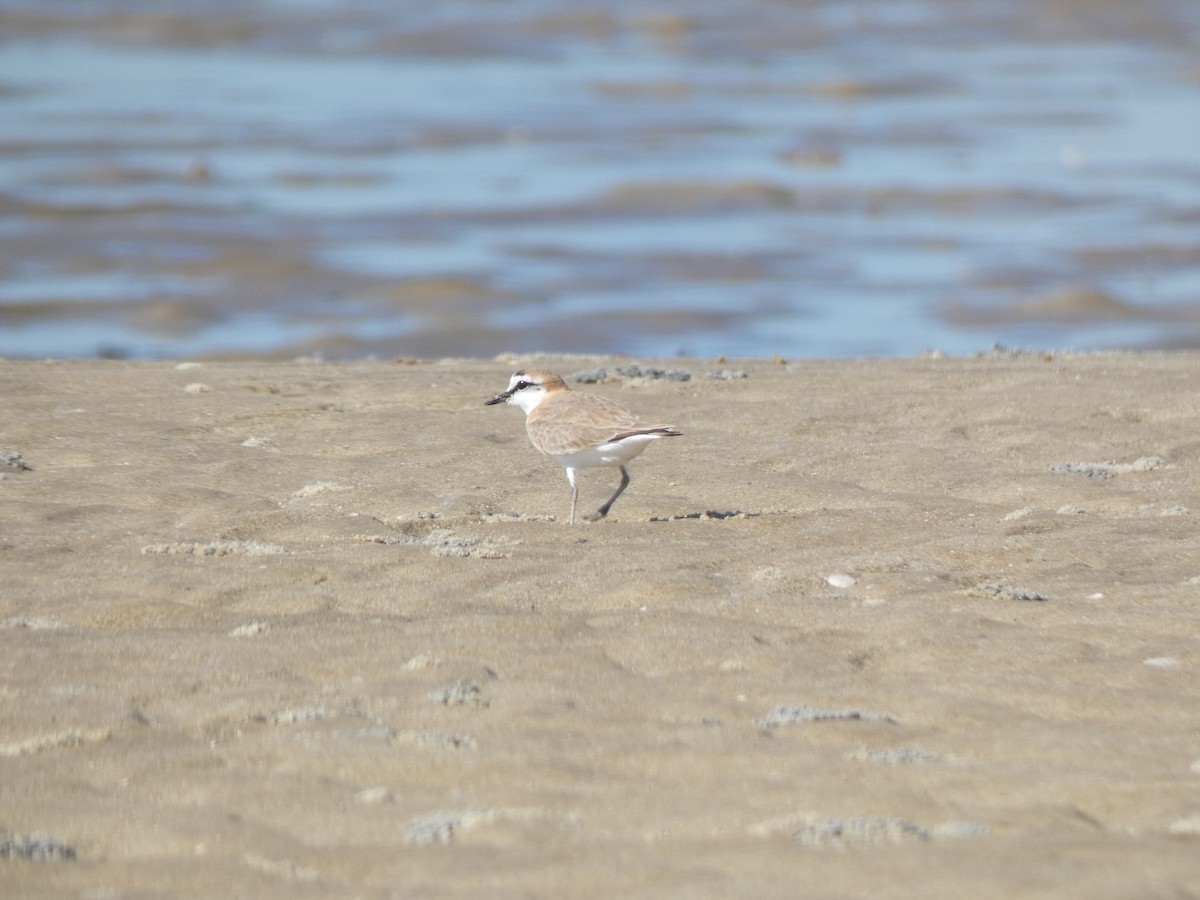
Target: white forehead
[527,377]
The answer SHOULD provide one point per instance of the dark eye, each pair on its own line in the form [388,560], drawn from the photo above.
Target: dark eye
[521,385]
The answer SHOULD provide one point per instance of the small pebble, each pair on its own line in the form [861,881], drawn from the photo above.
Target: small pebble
[960,830]
[422,661]
[841,580]
[373,795]
[197,387]
[1188,827]
[295,715]
[249,630]
[1161,662]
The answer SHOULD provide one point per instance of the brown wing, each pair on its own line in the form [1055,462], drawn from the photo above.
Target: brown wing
[566,422]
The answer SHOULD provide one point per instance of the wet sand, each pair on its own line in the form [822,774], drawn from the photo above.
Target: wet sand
[321,630]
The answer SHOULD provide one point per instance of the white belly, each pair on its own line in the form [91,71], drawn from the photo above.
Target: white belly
[616,453]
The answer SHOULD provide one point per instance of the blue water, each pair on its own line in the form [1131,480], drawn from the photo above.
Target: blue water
[752,178]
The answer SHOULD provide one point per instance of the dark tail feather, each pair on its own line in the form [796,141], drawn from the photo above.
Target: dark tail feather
[663,430]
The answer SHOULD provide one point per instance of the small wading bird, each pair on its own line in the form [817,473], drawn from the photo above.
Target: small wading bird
[580,431]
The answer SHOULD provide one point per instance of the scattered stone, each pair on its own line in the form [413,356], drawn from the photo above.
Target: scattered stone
[461,693]
[707,514]
[469,547]
[728,375]
[32,623]
[652,374]
[1087,470]
[1109,468]
[197,387]
[596,376]
[442,542]
[443,827]
[34,847]
[72,737]
[491,518]
[841,580]
[999,350]
[217,548]
[13,460]
[864,831]
[1012,593]
[589,376]
[800,715]
[893,756]
[292,716]
[261,443]
[442,739]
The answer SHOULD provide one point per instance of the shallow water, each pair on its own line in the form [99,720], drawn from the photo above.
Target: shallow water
[400,179]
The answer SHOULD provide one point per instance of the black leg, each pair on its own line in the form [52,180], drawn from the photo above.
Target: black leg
[603,511]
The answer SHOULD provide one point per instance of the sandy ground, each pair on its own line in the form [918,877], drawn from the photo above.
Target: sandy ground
[322,631]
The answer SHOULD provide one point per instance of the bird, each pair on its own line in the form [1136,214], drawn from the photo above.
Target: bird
[578,430]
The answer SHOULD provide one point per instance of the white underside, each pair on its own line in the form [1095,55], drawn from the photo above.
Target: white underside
[616,453]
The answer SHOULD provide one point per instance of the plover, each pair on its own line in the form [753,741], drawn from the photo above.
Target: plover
[579,431]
